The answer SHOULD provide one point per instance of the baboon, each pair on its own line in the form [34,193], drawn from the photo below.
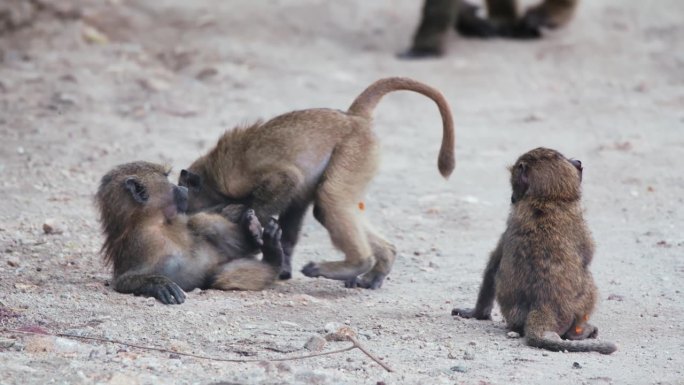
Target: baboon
[158,251]
[439,16]
[539,270]
[323,156]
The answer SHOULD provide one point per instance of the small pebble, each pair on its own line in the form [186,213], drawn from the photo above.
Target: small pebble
[315,343]
[513,335]
[332,326]
[576,365]
[341,334]
[52,226]
[459,369]
[7,343]
[468,355]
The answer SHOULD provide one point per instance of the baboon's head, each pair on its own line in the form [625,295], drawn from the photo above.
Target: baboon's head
[545,174]
[201,193]
[134,191]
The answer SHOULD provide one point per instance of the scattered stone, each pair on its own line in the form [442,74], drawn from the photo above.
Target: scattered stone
[315,343]
[467,355]
[13,262]
[310,377]
[122,379]
[154,84]
[94,35]
[206,73]
[512,334]
[459,369]
[616,297]
[341,334]
[332,326]
[576,365]
[39,344]
[7,343]
[53,226]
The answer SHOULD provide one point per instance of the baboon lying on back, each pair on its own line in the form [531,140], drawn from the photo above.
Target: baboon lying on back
[158,251]
[539,271]
[440,16]
[323,156]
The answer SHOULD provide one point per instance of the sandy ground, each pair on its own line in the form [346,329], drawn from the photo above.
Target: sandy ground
[167,77]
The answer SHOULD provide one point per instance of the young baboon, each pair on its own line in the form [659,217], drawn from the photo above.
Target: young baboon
[539,271]
[322,155]
[439,16]
[158,251]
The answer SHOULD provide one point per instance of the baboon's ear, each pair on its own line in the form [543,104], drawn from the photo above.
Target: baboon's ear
[190,180]
[137,189]
[521,182]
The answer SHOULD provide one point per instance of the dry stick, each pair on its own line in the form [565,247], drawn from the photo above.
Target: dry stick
[369,354]
[354,341]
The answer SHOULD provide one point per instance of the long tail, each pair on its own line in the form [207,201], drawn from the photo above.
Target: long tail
[366,102]
[551,341]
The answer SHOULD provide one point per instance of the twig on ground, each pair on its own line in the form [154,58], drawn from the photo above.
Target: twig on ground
[365,351]
[354,341]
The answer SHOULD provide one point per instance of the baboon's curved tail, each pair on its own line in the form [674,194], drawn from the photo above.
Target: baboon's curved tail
[552,341]
[366,102]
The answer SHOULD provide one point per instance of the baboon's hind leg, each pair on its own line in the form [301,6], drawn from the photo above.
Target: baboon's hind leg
[352,166]
[385,253]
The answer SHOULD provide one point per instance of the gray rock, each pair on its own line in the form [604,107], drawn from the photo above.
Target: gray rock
[315,343]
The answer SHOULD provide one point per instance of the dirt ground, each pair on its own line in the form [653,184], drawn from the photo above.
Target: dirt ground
[93,84]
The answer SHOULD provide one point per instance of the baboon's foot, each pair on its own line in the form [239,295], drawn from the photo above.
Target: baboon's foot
[251,224]
[470,313]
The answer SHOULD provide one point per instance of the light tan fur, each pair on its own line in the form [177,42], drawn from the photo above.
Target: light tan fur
[323,156]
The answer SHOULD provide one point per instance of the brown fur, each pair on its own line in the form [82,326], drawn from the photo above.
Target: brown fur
[539,271]
[322,155]
[503,20]
[156,250]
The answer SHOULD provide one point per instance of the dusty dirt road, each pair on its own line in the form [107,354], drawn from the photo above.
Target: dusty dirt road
[161,80]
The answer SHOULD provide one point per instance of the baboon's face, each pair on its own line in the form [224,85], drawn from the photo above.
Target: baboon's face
[137,190]
[151,192]
[546,174]
[201,195]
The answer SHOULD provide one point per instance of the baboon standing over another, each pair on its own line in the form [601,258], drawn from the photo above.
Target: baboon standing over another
[539,271]
[320,155]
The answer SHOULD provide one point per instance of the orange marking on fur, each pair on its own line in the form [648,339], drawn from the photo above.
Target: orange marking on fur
[586,317]
[362,206]
[578,330]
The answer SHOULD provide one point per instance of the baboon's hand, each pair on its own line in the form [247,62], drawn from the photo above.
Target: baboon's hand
[312,270]
[168,293]
[271,235]
[470,313]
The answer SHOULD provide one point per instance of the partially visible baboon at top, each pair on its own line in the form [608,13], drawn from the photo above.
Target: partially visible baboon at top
[539,270]
[158,251]
[324,156]
[440,16]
